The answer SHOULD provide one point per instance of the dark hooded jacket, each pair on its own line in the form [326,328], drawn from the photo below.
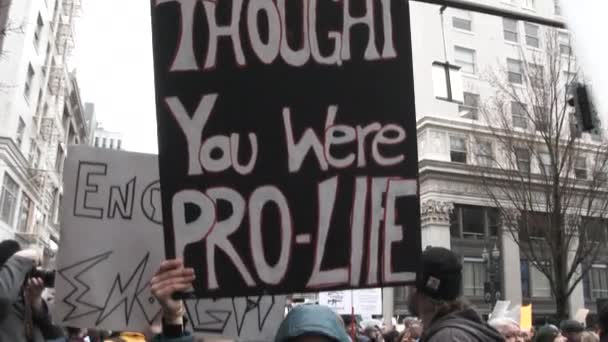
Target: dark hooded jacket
[460,326]
[12,276]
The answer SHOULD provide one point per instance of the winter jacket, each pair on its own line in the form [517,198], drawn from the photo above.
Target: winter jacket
[460,326]
[161,338]
[12,325]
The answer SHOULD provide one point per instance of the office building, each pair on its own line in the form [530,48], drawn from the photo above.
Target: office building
[41,115]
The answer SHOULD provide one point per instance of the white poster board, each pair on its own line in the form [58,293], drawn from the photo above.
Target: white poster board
[339,301]
[111,245]
[366,302]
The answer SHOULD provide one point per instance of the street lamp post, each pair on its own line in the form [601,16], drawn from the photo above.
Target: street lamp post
[492,292]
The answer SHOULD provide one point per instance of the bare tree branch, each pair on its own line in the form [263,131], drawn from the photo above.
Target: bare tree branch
[548,184]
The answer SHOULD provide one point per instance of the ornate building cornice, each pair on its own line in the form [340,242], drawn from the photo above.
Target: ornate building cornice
[433,211]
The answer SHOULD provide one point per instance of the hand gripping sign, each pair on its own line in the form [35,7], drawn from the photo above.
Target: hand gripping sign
[287,143]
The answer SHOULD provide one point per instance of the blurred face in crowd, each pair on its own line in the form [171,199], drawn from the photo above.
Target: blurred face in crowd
[373,333]
[416,330]
[511,333]
[528,335]
[572,337]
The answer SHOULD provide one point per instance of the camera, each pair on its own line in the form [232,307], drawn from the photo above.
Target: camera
[47,276]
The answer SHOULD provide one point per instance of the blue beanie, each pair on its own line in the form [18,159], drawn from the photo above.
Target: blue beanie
[311,319]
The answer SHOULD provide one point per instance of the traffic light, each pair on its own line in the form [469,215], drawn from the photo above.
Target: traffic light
[584,111]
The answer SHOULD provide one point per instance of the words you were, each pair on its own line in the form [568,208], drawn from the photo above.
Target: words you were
[374,226]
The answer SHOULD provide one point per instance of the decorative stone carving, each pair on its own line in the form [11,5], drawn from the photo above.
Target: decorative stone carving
[433,211]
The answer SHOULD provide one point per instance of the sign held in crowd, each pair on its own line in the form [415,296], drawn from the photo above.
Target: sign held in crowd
[287,143]
[112,244]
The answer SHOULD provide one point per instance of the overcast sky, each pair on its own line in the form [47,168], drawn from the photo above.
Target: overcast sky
[114,62]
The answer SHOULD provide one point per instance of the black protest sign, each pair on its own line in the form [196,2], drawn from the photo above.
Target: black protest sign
[287,143]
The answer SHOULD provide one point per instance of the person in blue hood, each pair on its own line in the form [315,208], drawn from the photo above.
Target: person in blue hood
[312,323]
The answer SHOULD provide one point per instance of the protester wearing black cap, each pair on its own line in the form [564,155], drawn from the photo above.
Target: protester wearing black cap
[572,330]
[437,301]
[549,333]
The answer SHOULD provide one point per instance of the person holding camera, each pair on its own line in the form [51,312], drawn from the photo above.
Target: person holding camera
[24,315]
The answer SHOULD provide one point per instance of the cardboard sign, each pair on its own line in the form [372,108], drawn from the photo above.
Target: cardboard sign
[287,142]
[525,322]
[581,315]
[365,302]
[341,302]
[111,245]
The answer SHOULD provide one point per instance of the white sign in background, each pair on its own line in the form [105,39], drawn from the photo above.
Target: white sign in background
[112,243]
[366,302]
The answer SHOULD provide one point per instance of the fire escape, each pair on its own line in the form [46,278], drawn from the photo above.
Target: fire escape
[46,173]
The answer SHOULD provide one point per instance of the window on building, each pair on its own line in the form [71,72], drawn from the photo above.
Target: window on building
[564,43]
[519,115]
[595,229]
[485,153]
[493,216]
[38,31]
[542,119]
[58,209]
[104,144]
[470,108]
[458,149]
[28,82]
[8,200]
[39,103]
[47,58]
[515,71]
[580,168]
[522,157]
[20,132]
[54,204]
[536,75]
[540,287]
[473,225]
[24,214]
[557,8]
[111,143]
[35,155]
[533,226]
[532,35]
[401,294]
[545,167]
[118,145]
[473,222]
[465,58]
[524,267]
[509,27]
[531,4]
[96,141]
[462,20]
[473,277]
[598,282]
[59,159]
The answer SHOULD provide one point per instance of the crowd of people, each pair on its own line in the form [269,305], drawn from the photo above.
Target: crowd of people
[435,299]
